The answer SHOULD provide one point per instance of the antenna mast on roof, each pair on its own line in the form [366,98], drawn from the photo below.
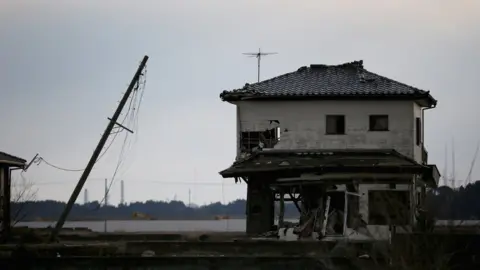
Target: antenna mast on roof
[259,55]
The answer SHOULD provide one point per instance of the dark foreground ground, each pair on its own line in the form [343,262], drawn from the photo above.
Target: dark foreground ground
[184,263]
[81,249]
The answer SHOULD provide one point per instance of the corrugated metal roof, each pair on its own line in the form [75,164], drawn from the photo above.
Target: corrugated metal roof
[328,81]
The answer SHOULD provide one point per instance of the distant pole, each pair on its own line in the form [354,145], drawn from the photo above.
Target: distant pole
[122,193]
[194,178]
[98,150]
[85,196]
[259,58]
[105,200]
[105,203]
[189,198]
[445,167]
[452,179]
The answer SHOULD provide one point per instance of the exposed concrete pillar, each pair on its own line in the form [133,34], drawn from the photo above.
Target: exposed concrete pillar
[260,206]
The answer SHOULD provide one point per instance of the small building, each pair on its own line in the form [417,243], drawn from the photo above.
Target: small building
[334,140]
[7,164]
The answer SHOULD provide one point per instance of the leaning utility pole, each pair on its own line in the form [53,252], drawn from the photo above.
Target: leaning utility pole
[98,150]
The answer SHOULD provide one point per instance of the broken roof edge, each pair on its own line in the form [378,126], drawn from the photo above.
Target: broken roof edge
[434,176]
[411,169]
[351,151]
[11,160]
[319,152]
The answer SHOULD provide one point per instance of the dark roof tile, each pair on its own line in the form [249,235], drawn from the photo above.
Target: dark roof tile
[349,80]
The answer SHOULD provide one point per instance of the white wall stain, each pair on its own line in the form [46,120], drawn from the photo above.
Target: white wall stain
[303,124]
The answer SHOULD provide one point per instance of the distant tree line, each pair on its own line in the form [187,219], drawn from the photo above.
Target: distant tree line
[459,204]
[443,203]
[51,210]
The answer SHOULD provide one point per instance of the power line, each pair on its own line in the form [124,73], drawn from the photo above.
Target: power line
[39,160]
[133,116]
[173,183]
[98,149]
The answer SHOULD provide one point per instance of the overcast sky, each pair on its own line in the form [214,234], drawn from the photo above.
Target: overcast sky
[65,64]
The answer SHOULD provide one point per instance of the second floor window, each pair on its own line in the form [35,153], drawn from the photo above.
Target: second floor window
[418,131]
[335,124]
[378,123]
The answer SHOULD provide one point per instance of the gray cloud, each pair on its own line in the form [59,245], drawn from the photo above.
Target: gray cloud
[64,66]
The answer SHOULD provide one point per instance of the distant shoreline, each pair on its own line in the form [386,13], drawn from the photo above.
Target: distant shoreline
[139,219]
[132,219]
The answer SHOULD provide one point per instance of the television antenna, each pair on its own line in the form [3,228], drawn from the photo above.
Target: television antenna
[259,55]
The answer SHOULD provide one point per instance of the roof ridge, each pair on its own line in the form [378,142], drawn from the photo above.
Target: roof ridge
[355,64]
[319,81]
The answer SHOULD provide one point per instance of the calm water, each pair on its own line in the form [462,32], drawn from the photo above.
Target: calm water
[232,225]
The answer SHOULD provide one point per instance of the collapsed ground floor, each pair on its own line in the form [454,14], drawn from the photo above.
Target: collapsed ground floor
[358,194]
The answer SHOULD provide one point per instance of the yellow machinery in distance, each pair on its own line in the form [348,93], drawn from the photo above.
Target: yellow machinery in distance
[142,216]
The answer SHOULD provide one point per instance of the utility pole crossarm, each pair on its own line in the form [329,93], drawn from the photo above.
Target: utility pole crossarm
[97,151]
[120,125]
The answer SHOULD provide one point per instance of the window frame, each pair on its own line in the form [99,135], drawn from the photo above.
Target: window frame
[418,131]
[336,117]
[376,117]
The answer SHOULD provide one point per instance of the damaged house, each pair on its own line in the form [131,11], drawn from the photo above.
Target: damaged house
[343,144]
[8,163]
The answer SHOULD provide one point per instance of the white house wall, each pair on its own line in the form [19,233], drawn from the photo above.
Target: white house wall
[303,123]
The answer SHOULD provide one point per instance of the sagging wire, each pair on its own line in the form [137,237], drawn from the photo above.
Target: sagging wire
[144,82]
[175,183]
[140,90]
[119,163]
[139,87]
[40,159]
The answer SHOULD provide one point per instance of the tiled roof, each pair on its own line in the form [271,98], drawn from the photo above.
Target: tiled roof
[349,80]
[11,160]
